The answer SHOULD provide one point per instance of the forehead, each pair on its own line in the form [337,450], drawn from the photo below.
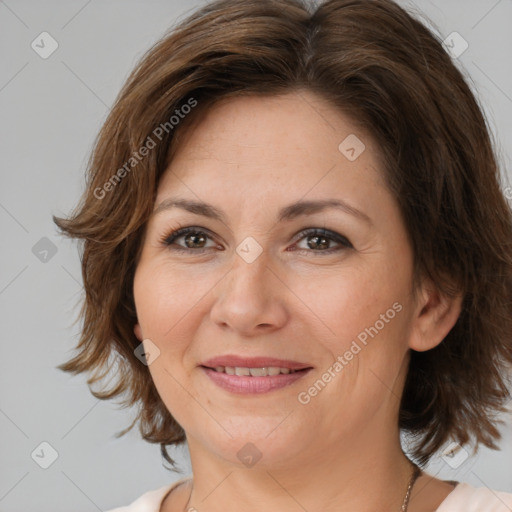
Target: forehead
[287,138]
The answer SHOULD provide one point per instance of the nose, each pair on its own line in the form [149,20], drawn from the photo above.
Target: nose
[250,299]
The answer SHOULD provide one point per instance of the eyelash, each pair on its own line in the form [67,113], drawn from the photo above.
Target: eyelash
[168,239]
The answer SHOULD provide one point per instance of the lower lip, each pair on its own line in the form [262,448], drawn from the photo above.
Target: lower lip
[246,384]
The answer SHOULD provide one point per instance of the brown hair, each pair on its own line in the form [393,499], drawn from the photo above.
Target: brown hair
[383,68]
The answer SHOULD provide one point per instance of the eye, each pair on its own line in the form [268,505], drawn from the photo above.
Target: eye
[195,239]
[318,239]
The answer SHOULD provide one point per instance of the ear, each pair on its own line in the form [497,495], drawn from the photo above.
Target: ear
[434,317]
[138,331]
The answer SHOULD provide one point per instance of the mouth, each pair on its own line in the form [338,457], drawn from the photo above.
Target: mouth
[243,371]
[253,375]
[231,363]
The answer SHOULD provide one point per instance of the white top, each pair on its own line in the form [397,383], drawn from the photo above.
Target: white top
[464,498]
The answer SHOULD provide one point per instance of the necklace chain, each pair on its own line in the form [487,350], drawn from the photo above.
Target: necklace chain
[415,473]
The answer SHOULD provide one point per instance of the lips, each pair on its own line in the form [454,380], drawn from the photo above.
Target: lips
[253,375]
[233,361]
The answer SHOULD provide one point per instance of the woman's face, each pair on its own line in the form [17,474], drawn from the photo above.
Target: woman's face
[245,282]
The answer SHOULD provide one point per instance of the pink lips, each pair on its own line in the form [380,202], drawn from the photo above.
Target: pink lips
[253,362]
[242,384]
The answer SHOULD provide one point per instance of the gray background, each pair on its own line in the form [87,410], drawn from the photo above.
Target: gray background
[51,110]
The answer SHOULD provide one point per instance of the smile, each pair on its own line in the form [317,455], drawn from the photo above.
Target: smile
[243,380]
[254,372]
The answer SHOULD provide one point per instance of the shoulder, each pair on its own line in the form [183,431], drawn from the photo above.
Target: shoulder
[466,498]
[150,501]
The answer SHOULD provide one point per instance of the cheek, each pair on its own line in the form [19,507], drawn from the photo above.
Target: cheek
[346,302]
[364,323]
[165,297]
[163,303]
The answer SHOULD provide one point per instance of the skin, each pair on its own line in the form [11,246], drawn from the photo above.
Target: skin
[341,451]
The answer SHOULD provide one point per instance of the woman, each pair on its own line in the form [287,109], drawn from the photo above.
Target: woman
[296,247]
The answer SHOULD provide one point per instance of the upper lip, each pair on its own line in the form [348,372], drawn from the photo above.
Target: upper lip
[253,362]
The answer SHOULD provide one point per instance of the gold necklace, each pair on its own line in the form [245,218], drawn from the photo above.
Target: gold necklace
[415,473]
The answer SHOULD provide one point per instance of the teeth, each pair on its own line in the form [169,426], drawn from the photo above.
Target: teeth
[253,372]
[258,372]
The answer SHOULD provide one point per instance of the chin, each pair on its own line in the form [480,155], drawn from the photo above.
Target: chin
[260,443]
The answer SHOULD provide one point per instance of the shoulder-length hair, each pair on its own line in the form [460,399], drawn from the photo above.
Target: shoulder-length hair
[384,69]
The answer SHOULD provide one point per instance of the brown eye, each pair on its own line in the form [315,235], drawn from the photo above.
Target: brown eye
[320,239]
[194,239]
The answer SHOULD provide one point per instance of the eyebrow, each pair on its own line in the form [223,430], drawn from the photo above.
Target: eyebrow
[285,214]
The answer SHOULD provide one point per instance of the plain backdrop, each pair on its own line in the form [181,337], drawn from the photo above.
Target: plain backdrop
[51,109]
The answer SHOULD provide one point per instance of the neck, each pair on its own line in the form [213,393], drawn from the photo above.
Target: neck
[367,475]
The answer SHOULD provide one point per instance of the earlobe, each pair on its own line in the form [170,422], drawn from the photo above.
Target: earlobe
[435,316]
[138,331]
